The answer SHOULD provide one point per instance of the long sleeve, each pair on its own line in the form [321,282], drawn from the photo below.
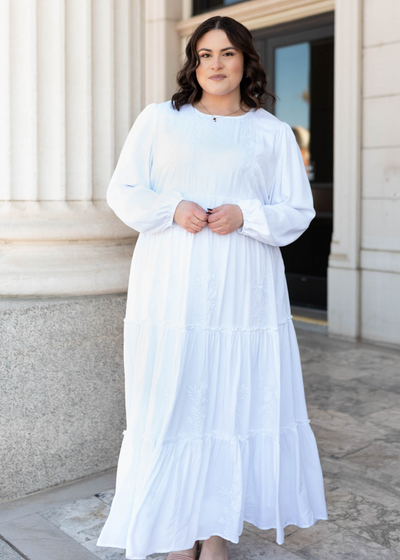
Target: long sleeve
[291,206]
[129,192]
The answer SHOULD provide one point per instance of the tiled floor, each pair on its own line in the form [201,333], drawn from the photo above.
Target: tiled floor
[353,401]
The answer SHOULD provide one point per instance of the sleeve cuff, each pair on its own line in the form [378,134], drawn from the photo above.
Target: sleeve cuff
[247,206]
[171,199]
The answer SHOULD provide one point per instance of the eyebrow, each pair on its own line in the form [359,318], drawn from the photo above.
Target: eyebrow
[225,49]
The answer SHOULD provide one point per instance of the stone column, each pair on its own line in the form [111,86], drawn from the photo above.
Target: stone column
[344,259]
[380,173]
[71,87]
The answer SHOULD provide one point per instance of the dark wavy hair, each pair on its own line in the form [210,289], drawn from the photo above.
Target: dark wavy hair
[254,81]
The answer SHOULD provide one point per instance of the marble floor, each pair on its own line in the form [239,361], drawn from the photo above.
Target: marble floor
[353,400]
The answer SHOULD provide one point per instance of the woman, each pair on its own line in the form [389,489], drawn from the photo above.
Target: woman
[217,426]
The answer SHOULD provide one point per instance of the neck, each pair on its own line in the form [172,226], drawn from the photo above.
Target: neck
[221,104]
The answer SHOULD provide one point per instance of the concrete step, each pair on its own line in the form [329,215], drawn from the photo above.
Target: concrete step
[308,319]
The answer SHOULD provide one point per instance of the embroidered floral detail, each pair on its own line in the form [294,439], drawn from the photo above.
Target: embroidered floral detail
[242,392]
[246,176]
[207,295]
[269,405]
[260,300]
[245,173]
[199,396]
[232,497]
[245,179]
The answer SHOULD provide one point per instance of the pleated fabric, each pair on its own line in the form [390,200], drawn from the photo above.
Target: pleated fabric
[217,428]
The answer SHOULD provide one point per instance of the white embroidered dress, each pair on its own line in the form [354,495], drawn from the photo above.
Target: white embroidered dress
[217,428]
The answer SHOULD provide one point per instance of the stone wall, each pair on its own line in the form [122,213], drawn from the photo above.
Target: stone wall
[62,390]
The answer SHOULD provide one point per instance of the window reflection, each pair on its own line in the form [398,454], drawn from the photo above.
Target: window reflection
[292,85]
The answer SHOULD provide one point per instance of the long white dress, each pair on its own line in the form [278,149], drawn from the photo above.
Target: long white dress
[217,428]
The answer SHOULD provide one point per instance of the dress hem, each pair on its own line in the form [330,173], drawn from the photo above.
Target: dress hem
[185,547]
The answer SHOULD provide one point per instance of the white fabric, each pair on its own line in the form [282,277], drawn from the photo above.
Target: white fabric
[217,426]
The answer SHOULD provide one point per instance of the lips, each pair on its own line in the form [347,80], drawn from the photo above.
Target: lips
[217,77]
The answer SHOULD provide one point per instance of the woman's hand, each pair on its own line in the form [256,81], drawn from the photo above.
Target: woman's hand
[226,218]
[191,216]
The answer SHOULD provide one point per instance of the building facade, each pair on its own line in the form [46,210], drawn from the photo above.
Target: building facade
[74,76]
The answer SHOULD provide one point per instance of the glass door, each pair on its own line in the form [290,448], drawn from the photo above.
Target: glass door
[298,58]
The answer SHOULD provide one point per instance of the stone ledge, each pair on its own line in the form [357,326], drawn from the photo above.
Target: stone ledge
[61,220]
[65,269]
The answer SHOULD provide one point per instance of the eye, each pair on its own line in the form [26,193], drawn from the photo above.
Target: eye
[207,54]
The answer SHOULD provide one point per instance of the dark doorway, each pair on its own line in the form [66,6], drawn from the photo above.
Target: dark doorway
[202,6]
[298,58]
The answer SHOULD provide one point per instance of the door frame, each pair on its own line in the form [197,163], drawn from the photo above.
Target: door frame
[313,292]
[344,283]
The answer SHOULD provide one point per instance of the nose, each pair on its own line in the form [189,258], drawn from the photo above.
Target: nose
[217,64]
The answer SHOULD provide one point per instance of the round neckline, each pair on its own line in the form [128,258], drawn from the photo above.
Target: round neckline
[252,109]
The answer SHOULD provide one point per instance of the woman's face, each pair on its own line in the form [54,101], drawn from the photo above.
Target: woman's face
[218,56]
